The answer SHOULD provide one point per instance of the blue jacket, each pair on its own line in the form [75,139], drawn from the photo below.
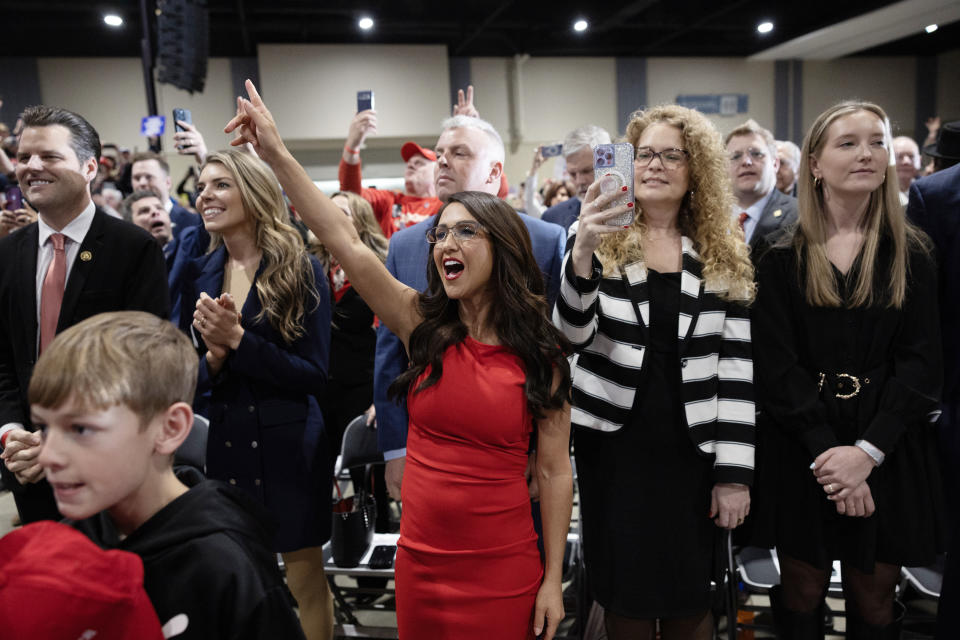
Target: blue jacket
[564,213]
[266,430]
[178,253]
[407,260]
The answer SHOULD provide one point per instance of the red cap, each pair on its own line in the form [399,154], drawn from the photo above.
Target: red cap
[56,583]
[410,149]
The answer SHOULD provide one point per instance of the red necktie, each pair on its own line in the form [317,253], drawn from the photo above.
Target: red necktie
[51,294]
[742,219]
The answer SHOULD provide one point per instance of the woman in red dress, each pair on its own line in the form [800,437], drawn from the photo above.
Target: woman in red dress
[487,367]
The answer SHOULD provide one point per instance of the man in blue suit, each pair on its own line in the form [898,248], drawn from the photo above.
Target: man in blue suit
[578,153]
[934,206]
[145,209]
[470,157]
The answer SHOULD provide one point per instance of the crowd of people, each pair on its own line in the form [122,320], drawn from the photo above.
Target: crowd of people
[763,349]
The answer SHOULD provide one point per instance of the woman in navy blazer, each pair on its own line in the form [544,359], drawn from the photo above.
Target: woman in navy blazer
[262,324]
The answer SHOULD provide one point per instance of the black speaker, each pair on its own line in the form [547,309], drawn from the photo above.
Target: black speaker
[183,43]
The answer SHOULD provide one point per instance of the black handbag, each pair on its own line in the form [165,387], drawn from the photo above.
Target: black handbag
[353,527]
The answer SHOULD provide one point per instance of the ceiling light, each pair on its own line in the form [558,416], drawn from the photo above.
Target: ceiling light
[930,28]
[113,20]
[366,23]
[580,25]
[765,27]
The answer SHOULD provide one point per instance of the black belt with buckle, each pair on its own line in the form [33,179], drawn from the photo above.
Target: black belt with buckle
[843,385]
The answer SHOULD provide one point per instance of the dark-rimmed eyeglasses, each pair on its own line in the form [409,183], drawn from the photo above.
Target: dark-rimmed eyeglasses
[755,154]
[462,232]
[669,158]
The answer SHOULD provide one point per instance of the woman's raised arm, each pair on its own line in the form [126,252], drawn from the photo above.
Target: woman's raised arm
[392,301]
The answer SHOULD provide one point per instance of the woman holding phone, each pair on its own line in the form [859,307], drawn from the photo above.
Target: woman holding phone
[487,367]
[662,388]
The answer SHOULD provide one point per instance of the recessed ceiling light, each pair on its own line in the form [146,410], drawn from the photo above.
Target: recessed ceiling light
[113,20]
[765,27]
[930,28]
[366,22]
[580,25]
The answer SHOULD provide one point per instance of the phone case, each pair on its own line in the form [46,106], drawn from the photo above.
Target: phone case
[613,166]
[382,557]
[551,150]
[364,100]
[183,115]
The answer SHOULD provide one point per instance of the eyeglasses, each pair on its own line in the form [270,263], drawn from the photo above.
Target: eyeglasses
[669,158]
[755,154]
[462,232]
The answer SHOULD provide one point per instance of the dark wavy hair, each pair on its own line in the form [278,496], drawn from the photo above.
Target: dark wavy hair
[519,313]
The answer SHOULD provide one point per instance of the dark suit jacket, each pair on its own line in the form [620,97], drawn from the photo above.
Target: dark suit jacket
[183,219]
[779,215]
[407,260]
[564,213]
[266,431]
[178,253]
[934,206]
[125,272]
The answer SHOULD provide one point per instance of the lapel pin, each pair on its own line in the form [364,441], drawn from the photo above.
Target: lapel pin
[777,213]
[86,256]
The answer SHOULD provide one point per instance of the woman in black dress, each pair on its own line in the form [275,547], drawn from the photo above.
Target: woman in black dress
[849,371]
[662,387]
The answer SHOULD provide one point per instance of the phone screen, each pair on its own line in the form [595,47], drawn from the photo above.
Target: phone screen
[14,198]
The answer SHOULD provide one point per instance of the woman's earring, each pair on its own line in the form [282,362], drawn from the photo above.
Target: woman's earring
[818,182]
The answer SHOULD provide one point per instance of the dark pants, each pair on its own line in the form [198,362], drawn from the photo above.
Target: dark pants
[948,613]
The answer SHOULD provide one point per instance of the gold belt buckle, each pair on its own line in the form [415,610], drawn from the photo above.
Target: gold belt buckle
[843,396]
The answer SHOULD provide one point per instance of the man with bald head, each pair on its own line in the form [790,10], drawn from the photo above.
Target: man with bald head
[470,157]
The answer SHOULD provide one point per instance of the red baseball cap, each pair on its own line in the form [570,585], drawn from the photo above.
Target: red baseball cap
[56,583]
[410,149]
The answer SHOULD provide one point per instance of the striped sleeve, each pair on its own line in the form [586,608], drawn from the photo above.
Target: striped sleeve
[575,313]
[736,416]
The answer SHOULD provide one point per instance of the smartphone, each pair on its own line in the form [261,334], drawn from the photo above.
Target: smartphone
[364,101]
[551,150]
[184,115]
[382,556]
[613,167]
[14,198]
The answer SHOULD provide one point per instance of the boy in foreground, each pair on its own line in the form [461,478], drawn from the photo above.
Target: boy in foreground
[112,398]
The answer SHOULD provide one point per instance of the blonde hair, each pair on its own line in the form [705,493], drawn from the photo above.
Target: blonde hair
[705,213]
[287,284]
[129,358]
[883,216]
[364,221]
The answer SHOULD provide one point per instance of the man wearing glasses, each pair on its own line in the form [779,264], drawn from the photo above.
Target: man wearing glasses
[761,210]
[470,157]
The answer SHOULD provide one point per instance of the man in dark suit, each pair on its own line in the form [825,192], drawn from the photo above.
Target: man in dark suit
[145,209]
[762,210]
[469,158]
[578,153]
[74,262]
[934,206]
[151,171]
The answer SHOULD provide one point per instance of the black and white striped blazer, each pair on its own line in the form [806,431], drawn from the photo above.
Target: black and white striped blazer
[599,318]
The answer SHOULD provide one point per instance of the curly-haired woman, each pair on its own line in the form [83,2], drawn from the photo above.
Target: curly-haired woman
[662,388]
[263,327]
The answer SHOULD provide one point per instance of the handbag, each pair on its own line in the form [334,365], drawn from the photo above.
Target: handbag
[353,527]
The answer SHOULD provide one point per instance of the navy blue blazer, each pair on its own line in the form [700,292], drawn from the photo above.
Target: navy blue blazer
[266,430]
[934,206]
[563,214]
[407,260]
[183,219]
[178,253]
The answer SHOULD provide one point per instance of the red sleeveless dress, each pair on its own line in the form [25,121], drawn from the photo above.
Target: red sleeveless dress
[467,565]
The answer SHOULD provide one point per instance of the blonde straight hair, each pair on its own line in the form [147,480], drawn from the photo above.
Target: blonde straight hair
[884,217]
[287,284]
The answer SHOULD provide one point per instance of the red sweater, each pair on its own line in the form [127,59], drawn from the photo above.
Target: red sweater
[393,209]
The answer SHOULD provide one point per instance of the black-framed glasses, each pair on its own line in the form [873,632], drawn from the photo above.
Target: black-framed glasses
[669,158]
[755,154]
[462,231]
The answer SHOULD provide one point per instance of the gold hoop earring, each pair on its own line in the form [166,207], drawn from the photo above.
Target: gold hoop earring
[818,182]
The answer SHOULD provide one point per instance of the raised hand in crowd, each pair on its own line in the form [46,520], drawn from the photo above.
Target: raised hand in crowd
[190,142]
[364,124]
[10,221]
[464,106]
[593,226]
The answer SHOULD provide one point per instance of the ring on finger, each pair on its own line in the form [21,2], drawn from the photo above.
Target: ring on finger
[830,488]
